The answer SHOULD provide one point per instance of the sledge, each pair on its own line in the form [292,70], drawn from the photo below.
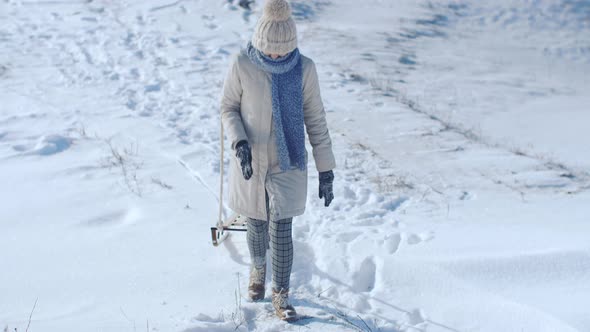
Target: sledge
[235,223]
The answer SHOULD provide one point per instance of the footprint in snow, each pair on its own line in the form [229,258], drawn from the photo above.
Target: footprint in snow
[417,319]
[299,231]
[364,279]
[419,238]
[362,305]
[349,194]
[392,243]
[394,204]
[414,239]
[51,144]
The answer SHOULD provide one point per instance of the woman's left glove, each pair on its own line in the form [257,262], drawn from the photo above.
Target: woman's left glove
[244,153]
[326,180]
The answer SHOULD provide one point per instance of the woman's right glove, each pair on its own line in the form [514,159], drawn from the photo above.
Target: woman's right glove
[326,190]
[244,153]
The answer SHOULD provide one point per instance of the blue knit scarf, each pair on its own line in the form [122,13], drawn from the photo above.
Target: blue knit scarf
[287,104]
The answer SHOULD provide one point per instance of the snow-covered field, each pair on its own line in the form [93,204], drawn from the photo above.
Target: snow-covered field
[462,188]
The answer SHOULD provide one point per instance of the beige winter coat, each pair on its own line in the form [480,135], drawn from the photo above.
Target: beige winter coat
[246,112]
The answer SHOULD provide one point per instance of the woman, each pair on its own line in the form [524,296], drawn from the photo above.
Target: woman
[271,96]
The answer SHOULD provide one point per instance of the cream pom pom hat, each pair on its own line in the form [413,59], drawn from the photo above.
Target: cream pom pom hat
[275,32]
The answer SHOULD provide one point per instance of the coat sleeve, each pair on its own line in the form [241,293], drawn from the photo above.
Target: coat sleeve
[315,121]
[231,116]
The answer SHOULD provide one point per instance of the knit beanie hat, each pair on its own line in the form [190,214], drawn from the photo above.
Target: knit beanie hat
[275,32]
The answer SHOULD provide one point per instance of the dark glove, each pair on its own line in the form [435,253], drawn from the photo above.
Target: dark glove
[326,180]
[244,153]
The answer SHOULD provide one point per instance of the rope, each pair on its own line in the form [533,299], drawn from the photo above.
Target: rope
[220,219]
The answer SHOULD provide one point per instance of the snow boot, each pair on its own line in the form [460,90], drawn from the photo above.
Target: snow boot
[283,309]
[256,285]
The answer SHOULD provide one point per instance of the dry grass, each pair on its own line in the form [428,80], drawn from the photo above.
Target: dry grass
[125,159]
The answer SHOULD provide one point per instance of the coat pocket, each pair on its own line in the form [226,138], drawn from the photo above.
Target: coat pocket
[287,193]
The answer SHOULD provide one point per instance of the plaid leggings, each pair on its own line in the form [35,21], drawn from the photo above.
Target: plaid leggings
[281,245]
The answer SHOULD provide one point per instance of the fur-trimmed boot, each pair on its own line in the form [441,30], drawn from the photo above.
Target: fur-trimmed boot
[283,308]
[256,286]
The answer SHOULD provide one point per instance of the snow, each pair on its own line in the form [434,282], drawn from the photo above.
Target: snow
[461,193]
